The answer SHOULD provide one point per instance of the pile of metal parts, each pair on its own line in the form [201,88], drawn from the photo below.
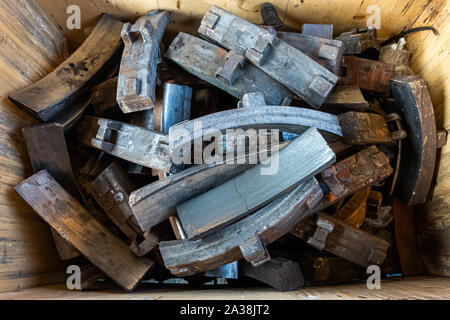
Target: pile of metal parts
[355,141]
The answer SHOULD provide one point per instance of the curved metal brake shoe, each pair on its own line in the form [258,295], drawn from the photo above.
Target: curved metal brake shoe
[286,119]
[55,92]
[137,77]
[272,55]
[226,70]
[245,238]
[418,156]
[156,202]
[132,143]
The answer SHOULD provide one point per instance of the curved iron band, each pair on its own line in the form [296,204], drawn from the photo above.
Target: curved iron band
[204,60]
[156,202]
[56,91]
[286,119]
[418,157]
[186,257]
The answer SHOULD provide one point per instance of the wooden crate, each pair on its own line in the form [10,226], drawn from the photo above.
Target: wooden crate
[27,254]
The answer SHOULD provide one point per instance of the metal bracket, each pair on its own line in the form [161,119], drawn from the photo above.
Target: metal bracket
[135,144]
[272,55]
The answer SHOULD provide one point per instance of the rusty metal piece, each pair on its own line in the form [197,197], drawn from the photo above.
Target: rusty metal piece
[418,155]
[363,128]
[368,74]
[138,145]
[90,274]
[373,204]
[286,119]
[137,77]
[324,31]
[271,18]
[186,257]
[103,98]
[325,232]
[225,70]
[55,93]
[272,55]
[383,219]
[279,273]
[327,52]
[47,149]
[354,211]
[354,173]
[251,190]
[356,42]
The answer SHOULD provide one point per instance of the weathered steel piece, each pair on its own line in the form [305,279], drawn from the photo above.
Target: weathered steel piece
[90,274]
[272,55]
[354,211]
[228,271]
[111,190]
[383,219]
[90,237]
[225,70]
[368,74]
[103,98]
[156,202]
[325,51]
[144,119]
[354,173]
[286,119]
[245,238]
[418,156]
[138,145]
[325,232]
[47,149]
[324,31]
[137,77]
[251,190]
[356,42]
[279,273]
[363,128]
[56,92]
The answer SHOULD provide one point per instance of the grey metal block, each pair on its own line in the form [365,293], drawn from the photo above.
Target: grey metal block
[225,70]
[137,78]
[187,257]
[302,75]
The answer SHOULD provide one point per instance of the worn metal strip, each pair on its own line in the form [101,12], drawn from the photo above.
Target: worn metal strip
[272,55]
[187,257]
[356,42]
[251,190]
[225,70]
[418,155]
[324,31]
[138,145]
[56,92]
[137,77]
[286,119]
[156,202]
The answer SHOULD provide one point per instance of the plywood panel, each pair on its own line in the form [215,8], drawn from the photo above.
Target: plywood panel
[409,288]
[27,53]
